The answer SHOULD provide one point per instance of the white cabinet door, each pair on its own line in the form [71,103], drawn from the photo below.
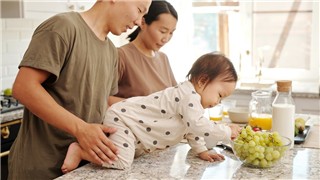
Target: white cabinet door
[47,8]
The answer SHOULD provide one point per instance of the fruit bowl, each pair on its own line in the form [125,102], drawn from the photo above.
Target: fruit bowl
[260,149]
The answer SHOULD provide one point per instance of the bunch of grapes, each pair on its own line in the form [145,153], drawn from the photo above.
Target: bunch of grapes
[259,149]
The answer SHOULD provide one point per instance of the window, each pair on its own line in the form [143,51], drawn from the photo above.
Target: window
[265,40]
[284,41]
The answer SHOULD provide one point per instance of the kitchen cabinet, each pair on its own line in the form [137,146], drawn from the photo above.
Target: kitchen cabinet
[47,8]
[9,131]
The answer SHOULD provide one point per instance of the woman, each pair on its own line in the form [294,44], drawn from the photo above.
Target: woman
[143,69]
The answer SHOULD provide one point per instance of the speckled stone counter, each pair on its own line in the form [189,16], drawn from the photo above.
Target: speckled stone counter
[9,116]
[179,162]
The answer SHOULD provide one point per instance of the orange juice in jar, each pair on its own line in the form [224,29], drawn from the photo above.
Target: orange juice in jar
[263,122]
[260,110]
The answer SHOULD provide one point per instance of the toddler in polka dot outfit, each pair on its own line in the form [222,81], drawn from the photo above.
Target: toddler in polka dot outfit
[164,118]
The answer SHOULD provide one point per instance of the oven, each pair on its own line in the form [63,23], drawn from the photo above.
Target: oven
[11,119]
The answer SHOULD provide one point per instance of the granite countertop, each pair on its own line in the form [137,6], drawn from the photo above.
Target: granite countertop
[10,116]
[179,162]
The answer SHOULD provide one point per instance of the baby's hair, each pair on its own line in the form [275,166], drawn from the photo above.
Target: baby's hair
[211,66]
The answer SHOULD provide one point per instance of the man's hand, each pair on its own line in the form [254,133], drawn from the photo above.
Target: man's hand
[93,140]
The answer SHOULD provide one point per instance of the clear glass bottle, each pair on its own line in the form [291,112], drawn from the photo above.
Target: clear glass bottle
[260,110]
[283,111]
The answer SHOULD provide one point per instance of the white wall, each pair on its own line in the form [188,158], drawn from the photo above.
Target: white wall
[15,37]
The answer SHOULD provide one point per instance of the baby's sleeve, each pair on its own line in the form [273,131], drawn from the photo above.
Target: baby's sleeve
[201,127]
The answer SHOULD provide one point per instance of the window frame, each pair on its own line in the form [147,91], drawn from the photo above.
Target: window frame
[243,58]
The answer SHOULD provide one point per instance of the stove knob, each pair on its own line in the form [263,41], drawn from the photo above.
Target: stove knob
[5,132]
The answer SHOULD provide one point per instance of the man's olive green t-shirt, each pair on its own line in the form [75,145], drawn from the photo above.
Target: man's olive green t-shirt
[83,74]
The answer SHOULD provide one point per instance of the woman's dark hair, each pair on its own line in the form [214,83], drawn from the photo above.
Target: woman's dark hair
[156,8]
[210,66]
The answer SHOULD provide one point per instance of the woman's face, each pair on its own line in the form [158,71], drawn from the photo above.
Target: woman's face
[129,14]
[216,90]
[159,32]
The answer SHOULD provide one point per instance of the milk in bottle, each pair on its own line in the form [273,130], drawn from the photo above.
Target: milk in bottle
[283,111]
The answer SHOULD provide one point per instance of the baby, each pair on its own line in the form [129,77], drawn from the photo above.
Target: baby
[164,118]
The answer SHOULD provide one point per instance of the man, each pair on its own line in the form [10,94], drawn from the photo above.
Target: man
[64,80]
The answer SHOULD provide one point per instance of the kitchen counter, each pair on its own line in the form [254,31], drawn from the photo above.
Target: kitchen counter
[179,162]
[10,116]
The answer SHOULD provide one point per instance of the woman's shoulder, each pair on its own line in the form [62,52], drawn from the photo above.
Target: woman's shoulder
[127,47]
[128,53]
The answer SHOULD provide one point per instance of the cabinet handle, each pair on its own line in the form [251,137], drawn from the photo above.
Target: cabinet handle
[5,132]
[6,153]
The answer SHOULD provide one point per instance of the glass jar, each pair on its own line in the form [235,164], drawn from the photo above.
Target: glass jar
[283,111]
[260,110]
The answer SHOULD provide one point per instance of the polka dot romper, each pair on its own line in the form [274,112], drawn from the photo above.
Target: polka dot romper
[161,120]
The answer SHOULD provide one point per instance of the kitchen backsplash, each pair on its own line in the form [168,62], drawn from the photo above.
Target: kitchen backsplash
[15,37]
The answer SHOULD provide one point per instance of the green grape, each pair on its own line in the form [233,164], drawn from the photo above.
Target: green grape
[248,159]
[269,149]
[256,139]
[269,156]
[246,146]
[265,135]
[263,163]
[240,142]
[248,128]
[275,154]
[243,134]
[252,150]
[269,163]
[256,162]
[257,148]
[261,156]
[252,143]
[260,149]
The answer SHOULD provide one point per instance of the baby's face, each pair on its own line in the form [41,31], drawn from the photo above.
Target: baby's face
[216,90]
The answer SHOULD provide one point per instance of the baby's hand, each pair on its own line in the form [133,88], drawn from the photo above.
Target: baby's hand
[211,156]
[235,130]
